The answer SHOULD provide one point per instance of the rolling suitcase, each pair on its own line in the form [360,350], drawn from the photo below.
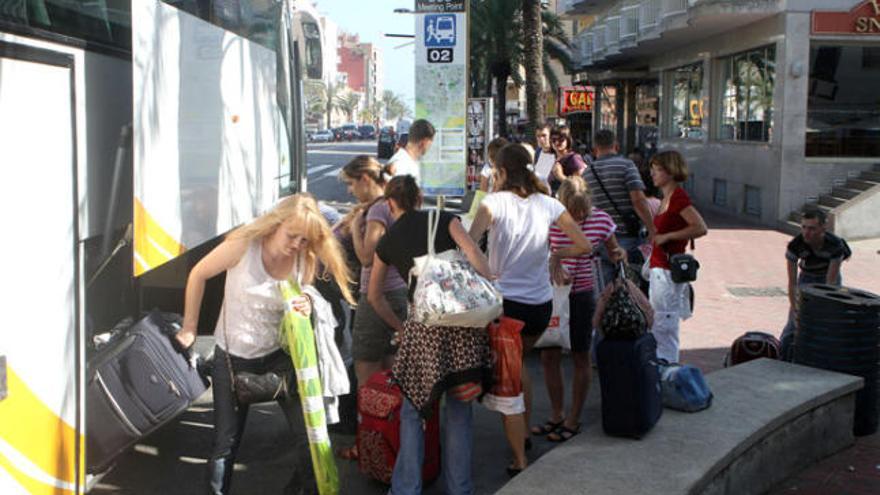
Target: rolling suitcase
[632,401]
[378,433]
[135,384]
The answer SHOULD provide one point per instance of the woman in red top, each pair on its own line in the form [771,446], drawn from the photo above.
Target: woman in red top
[677,223]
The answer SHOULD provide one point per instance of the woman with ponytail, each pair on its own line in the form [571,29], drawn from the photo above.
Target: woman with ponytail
[518,218]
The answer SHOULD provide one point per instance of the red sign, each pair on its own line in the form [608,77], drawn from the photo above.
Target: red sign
[862,20]
[576,99]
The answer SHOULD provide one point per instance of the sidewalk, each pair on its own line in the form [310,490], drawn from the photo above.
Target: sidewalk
[750,260]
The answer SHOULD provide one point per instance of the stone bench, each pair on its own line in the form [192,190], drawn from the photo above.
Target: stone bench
[768,420]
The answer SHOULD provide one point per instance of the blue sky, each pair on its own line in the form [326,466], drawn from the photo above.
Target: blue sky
[371,19]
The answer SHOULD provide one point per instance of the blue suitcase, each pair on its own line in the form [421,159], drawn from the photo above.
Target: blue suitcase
[632,399]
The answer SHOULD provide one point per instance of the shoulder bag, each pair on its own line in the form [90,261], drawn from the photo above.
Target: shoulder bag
[631,221]
[683,267]
[449,292]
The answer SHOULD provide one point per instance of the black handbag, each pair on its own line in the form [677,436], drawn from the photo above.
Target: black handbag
[253,388]
[683,267]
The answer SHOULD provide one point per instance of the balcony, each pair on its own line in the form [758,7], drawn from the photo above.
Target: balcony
[649,15]
[629,23]
[674,7]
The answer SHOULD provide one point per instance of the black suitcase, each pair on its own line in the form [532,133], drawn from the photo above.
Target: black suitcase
[632,400]
[135,384]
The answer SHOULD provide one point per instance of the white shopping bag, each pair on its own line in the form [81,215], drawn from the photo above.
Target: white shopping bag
[557,332]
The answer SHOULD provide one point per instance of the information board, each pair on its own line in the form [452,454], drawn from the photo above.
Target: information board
[441,93]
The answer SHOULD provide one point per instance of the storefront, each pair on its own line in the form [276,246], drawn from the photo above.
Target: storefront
[773,104]
[576,107]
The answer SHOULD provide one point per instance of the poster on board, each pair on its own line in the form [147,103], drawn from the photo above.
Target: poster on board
[479,132]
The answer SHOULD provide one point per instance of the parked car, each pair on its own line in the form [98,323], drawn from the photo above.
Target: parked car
[387,140]
[367,131]
[324,136]
[350,132]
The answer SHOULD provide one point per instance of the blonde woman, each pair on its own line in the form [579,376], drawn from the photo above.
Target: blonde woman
[598,227]
[288,241]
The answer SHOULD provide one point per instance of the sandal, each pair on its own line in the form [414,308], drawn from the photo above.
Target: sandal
[513,471]
[563,433]
[348,453]
[549,426]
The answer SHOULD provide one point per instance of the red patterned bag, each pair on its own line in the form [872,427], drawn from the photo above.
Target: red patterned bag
[378,433]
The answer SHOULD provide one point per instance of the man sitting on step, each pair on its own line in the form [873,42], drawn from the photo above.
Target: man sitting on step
[813,257]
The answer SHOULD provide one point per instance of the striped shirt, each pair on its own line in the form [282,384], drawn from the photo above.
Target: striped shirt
[620,176]
[597,227]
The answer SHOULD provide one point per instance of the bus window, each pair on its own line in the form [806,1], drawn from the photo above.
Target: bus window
[105,23]
[256,20]
[313,60]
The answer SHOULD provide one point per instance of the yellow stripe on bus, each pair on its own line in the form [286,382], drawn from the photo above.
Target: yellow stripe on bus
[31,485]
[37,433]
[153,246]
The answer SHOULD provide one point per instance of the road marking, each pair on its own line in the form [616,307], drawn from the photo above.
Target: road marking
[337,152]
[315,170]
[332,172]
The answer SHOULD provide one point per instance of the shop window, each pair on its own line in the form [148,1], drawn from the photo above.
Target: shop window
[843,107]
[747,95]
[687,102]
[753,201]
[719,192]
[608,108]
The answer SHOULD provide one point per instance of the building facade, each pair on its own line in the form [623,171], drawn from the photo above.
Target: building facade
[774,103]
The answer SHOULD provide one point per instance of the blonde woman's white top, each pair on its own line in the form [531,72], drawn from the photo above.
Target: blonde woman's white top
[252,308]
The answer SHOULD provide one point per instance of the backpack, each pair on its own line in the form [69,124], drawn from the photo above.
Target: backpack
[684,387]
[753,345]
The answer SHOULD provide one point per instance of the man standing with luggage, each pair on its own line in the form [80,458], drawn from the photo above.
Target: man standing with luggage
[618,189]
[406,160]
[812,257]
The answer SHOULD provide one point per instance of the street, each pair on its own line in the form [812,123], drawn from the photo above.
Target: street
[325,160]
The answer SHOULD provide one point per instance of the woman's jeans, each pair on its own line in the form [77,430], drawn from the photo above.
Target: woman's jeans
[457,450]
[786,340]
[229,422]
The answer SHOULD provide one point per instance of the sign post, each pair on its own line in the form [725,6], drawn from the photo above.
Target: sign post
[441,93]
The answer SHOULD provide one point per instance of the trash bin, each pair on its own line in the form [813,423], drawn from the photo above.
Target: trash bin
[838,329]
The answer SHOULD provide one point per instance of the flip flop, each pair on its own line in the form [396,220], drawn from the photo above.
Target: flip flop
[549,426]
[563,433]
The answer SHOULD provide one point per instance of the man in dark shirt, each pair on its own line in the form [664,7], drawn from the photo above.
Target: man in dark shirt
[812,257]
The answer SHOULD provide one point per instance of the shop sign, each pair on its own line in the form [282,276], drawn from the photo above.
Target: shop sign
[576,99]
[861,20]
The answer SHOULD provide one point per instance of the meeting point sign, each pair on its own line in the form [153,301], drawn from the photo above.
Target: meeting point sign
[427,6]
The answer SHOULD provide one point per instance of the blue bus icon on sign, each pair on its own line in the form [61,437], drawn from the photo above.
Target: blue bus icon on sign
[439,30]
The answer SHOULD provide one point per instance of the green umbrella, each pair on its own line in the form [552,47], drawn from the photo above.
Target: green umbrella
[299,339]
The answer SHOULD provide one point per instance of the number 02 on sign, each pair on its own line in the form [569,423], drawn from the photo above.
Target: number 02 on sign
[439,55]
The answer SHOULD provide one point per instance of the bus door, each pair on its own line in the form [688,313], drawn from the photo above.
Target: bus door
[40,424]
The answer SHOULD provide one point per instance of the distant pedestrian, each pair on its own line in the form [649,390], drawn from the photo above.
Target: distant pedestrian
[487,174]
[518,217]
[407,159]
[813,257]
[568,163]
[618,189]
[462,354]
[677,223]
[598,227]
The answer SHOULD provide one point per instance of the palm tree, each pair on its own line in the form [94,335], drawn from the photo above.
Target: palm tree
[498,50]
[395,108]
[331,99]
[533,47]
[348,103]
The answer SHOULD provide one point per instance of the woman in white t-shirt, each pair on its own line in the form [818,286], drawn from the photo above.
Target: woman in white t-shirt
[518,218]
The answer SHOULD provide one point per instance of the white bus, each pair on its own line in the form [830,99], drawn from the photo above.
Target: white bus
[133,134]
